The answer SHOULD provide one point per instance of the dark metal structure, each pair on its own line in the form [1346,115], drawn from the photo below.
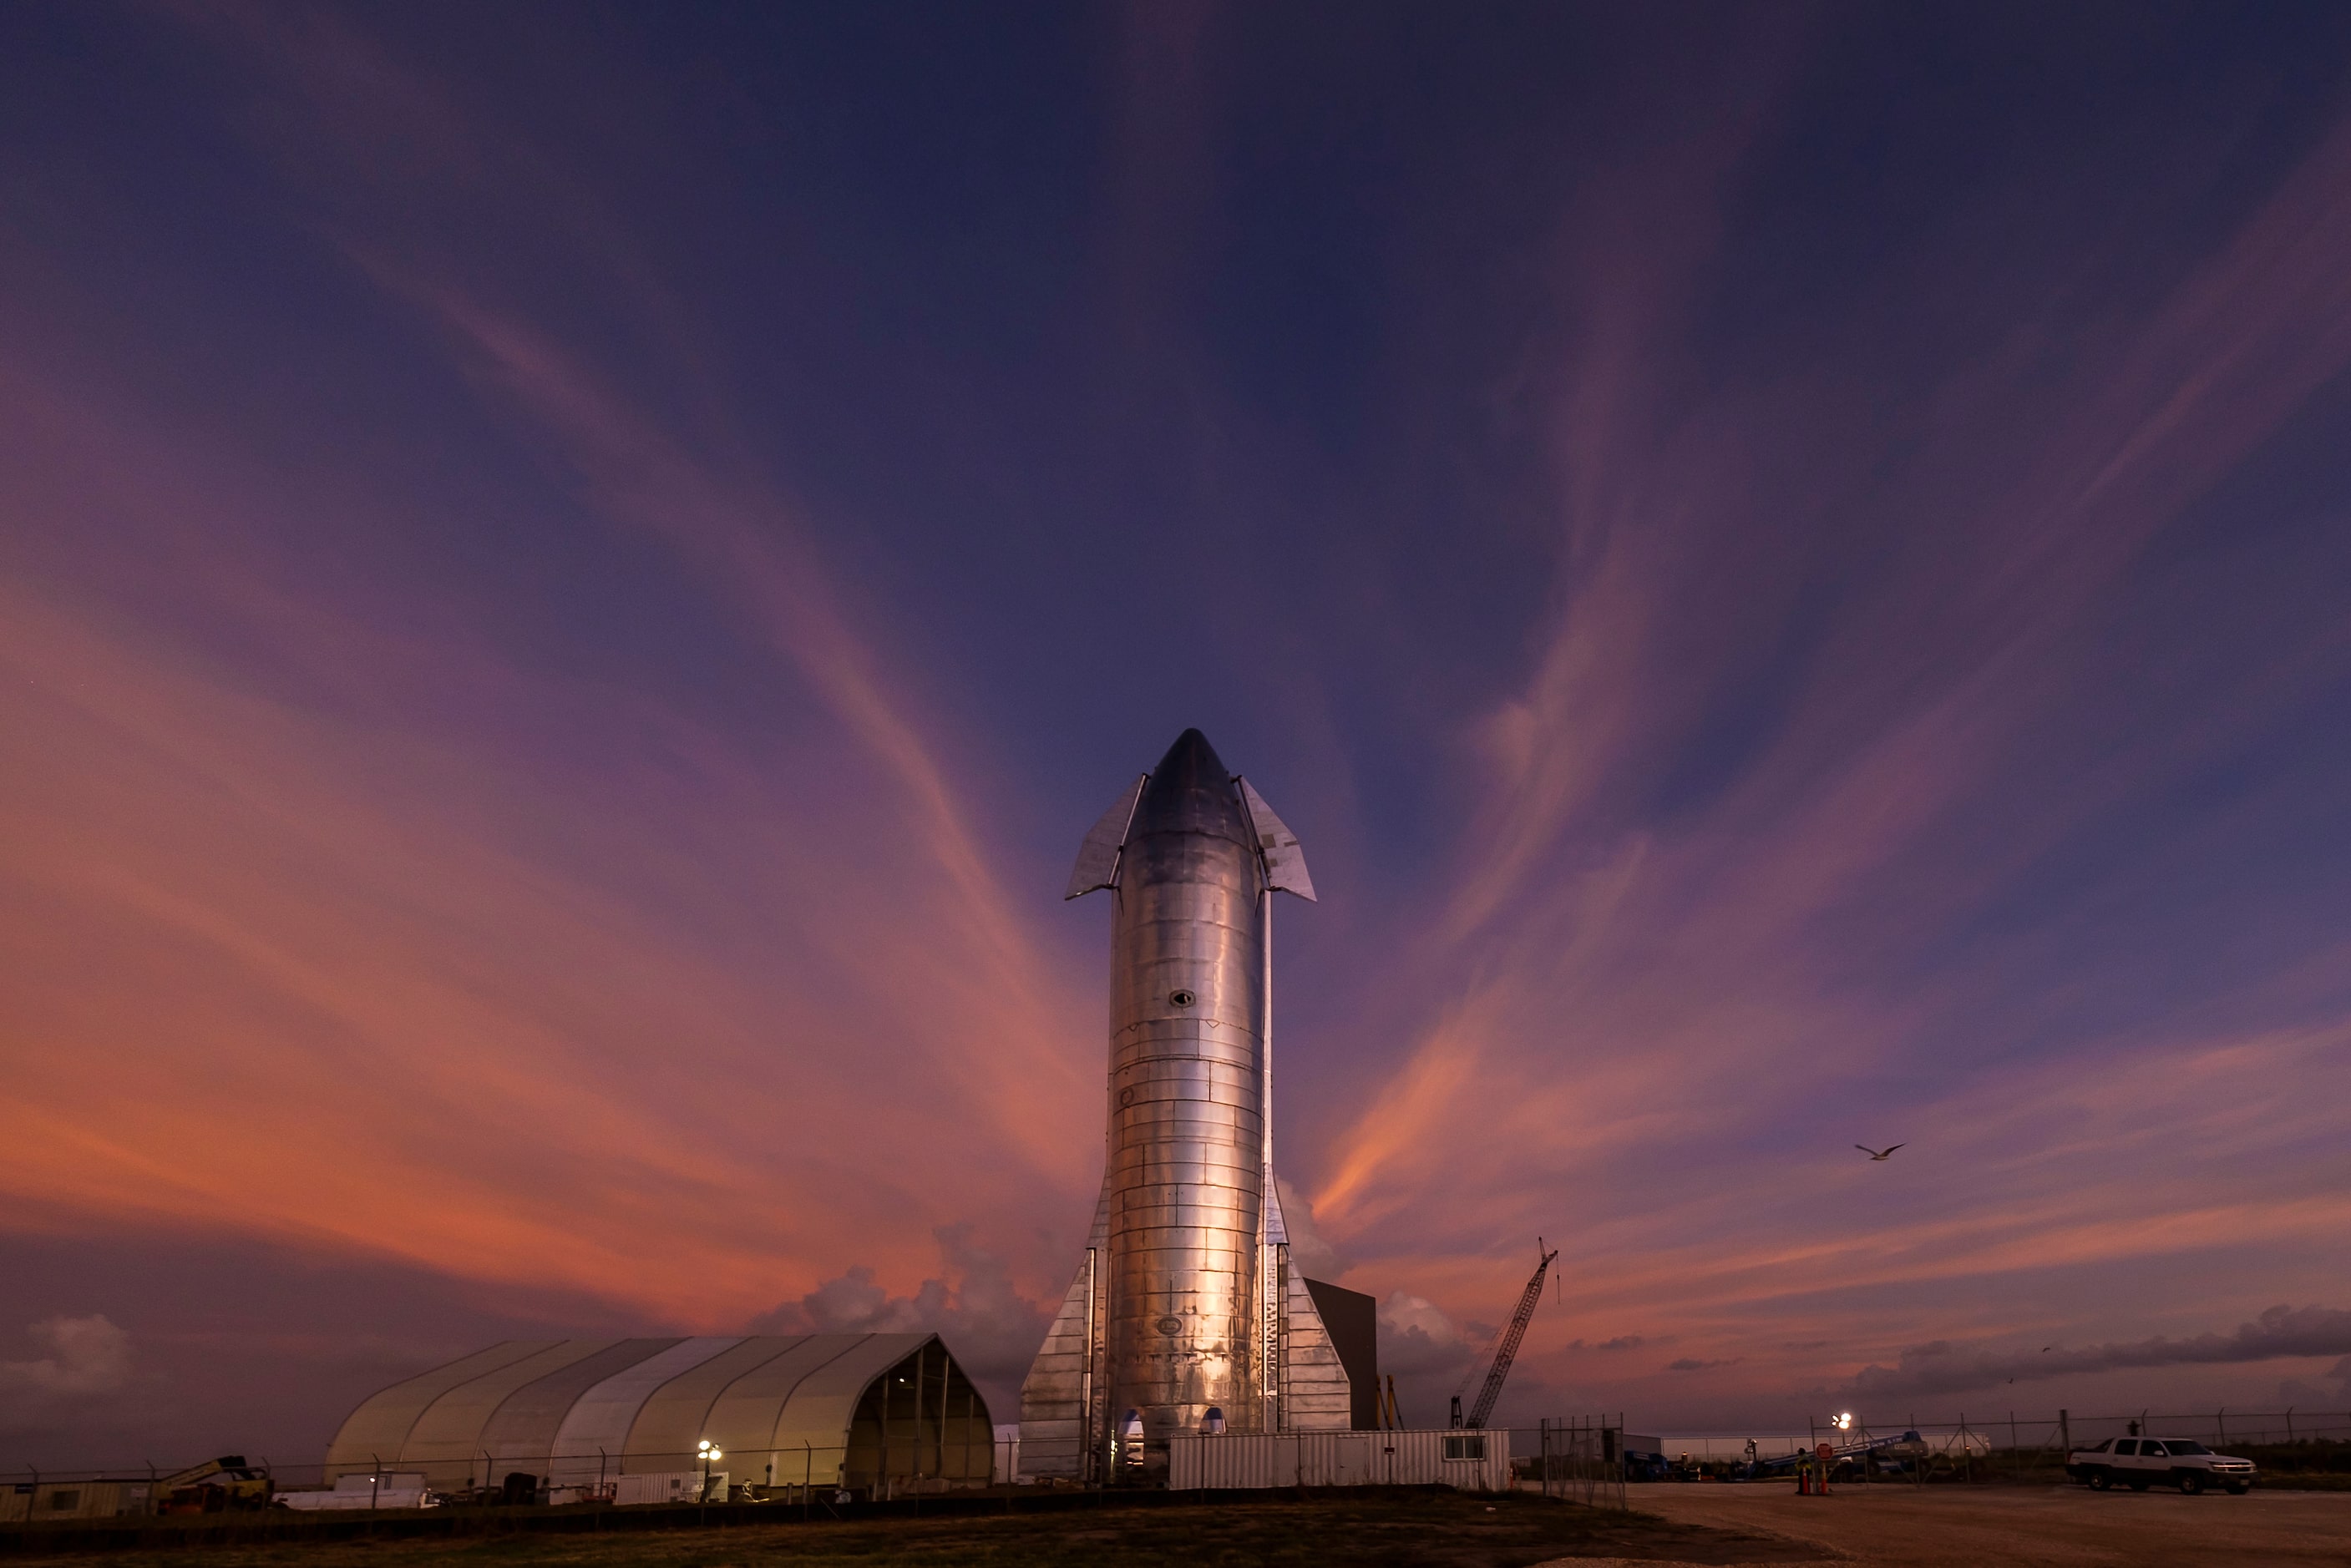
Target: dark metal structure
[1353,1321]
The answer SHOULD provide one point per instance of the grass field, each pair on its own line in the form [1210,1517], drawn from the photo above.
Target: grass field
[1366,1529]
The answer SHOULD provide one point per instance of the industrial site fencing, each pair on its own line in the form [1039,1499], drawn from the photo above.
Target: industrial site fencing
[2008,1445]
[809,1477]
[1581,1460]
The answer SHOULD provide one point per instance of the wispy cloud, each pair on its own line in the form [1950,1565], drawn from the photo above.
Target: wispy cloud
[456,957]
[1653,965]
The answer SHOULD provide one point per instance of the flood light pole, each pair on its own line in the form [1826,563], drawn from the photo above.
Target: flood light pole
[706,1452]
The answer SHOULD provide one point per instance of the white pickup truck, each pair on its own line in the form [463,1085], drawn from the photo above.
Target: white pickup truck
[2142,1462]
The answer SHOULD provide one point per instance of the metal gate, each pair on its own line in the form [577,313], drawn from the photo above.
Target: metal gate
[1581,1459]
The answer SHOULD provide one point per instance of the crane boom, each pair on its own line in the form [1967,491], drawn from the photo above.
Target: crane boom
[1507,1351]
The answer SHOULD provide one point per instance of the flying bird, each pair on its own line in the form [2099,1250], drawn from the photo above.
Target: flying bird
[1876,1153]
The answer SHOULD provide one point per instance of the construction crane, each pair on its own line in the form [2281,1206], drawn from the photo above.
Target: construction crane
[1507,1350]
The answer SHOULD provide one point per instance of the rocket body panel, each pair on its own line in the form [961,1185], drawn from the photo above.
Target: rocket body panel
[1186,1113]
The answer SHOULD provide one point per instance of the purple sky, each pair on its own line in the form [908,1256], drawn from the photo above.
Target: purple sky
[571,578]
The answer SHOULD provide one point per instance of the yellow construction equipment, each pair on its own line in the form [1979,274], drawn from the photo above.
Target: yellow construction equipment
[216,1486]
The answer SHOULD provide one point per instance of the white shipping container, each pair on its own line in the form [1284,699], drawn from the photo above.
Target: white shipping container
[667,1486]
[1468,1461]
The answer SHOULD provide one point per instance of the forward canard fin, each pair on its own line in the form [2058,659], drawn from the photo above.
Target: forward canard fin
[1098,856]
[1285,857]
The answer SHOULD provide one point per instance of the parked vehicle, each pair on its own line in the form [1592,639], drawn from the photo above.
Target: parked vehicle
[2139,1463]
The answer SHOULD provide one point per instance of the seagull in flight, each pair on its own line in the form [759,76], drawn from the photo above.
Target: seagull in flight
[1876,1153]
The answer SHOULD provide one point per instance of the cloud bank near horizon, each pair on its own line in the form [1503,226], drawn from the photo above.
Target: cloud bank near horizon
[2281,1333]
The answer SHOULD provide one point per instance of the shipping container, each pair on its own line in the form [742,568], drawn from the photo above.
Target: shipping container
[1468,1461]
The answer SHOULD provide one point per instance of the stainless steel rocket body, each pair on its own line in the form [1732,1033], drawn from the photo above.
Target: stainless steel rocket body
[1186,1165]
[1184,1303]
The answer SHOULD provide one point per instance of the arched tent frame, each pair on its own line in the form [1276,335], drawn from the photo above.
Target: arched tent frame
[876,1413]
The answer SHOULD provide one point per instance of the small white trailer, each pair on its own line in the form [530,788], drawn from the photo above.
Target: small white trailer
[405,1490]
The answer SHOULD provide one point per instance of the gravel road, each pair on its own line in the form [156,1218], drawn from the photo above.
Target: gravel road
[2038,1527]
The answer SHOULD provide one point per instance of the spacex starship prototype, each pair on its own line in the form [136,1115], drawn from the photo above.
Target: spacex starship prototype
[1185,1314]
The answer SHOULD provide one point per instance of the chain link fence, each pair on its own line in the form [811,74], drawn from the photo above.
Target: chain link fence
[1586,1459]
[2291,1446]
[806,1477]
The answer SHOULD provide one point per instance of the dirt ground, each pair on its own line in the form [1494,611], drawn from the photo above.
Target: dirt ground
[1368,1529]
[2032,1527]
[1879,1527]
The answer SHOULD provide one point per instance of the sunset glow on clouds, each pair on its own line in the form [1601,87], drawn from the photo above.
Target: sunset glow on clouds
[566,598]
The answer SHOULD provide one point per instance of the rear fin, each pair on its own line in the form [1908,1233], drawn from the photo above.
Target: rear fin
[1055,1422]
[1285,857]
[1097,863]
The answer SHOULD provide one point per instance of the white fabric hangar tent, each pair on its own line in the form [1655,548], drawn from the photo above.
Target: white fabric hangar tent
[863,1411]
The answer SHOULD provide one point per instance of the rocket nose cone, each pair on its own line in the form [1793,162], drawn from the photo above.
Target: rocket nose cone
[1189,792]
[1192,764]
